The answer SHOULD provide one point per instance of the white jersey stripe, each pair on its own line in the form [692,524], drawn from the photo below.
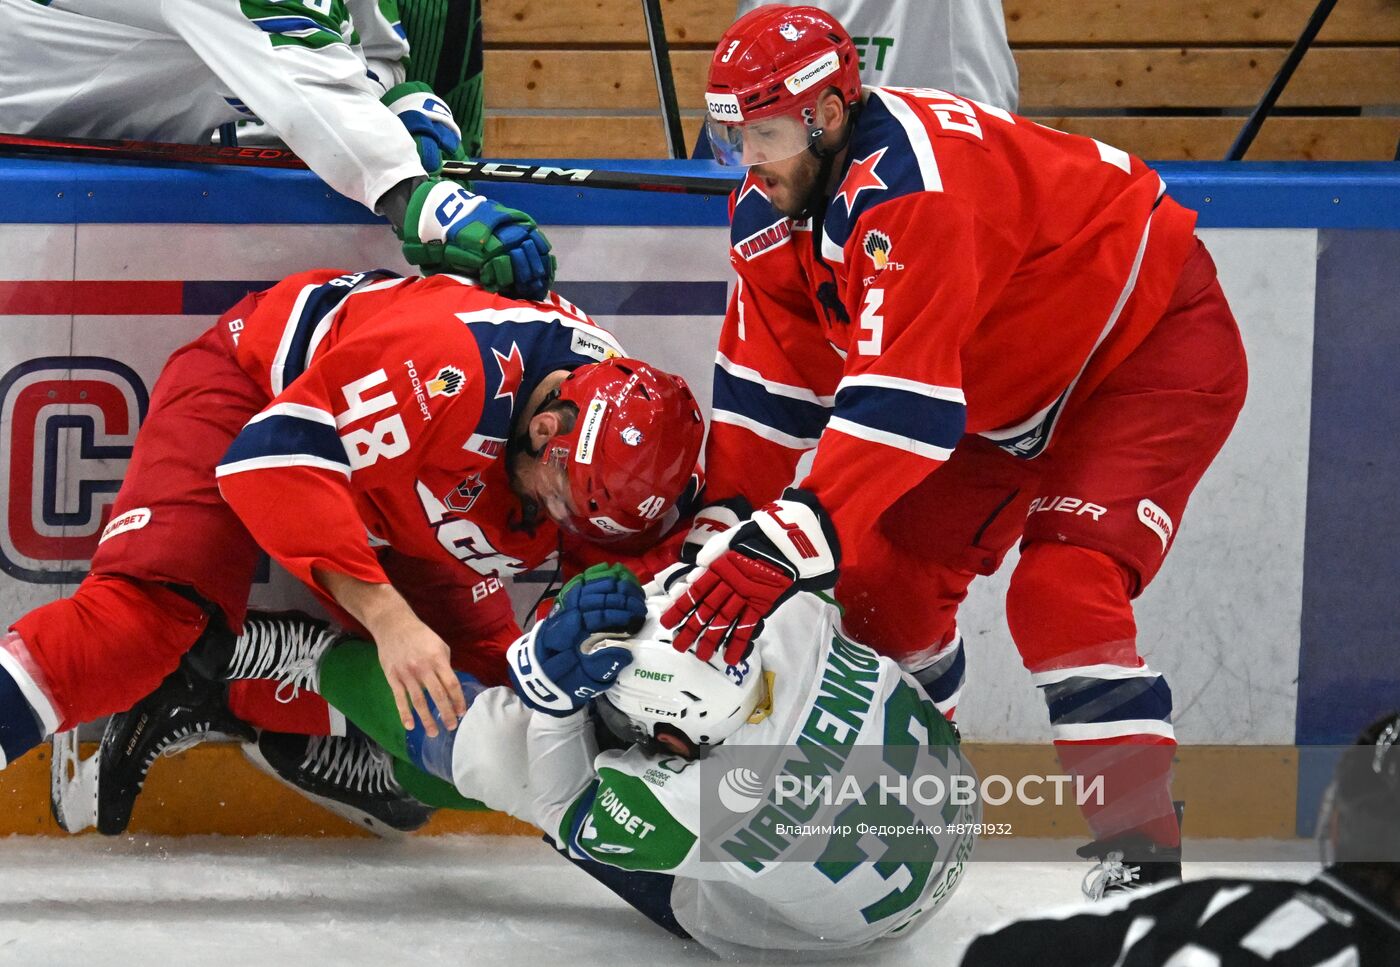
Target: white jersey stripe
[772,386]
[918,137]
[871,435]
[762,430]
[297,411]
[281,460]
[952,394]
[1089,731]
[496,317]
[279,362]
[1110,672]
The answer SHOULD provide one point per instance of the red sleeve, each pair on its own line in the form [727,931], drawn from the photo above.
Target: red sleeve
[301,474]
[306,519]
[899,407]
[773,379]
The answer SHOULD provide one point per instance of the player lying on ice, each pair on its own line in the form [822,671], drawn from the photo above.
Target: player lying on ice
[990,332]
[468,434]
[327,76]
[631,815]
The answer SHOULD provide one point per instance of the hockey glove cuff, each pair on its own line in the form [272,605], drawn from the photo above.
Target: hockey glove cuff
[429,120]
[713,519]
[743,574]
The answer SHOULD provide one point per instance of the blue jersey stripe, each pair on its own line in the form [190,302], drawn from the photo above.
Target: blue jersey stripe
[317,306]
[935,422]
[797,418]
[1085,700]
[287,25]
[286,436]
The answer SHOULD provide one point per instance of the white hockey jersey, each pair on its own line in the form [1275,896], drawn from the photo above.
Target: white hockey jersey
[640,812]
[174,70]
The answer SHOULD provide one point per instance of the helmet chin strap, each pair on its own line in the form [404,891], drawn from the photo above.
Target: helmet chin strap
[815,202]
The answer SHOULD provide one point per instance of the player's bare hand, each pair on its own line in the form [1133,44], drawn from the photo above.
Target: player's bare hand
[416,662]
[417,665]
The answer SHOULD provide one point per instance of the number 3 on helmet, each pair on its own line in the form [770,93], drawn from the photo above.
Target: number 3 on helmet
[768,72]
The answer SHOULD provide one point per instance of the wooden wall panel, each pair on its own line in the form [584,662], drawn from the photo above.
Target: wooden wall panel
[1083,23]
[1050,78]
[1155,138]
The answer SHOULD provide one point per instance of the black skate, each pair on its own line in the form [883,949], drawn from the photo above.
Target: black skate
[192,703]
[349,775]
[1129,862]
[184,711]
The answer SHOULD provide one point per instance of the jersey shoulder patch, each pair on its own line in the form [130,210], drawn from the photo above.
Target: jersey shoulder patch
[756,227]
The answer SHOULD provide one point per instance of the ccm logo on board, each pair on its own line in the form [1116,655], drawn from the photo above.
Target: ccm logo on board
[67,428]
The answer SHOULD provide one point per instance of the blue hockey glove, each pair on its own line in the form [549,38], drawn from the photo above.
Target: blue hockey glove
[429,120]
[448,228]
[552,668]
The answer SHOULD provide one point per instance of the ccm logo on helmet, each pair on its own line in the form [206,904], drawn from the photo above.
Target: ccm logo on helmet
[824,66]
[724,107]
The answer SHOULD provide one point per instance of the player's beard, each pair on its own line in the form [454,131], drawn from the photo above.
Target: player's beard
[519,450]
[798,193]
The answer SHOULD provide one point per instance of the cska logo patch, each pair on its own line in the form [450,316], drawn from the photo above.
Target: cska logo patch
[447,382]
[462,496]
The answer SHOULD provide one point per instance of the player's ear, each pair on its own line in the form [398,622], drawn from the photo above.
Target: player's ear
[833,110]
[544,426]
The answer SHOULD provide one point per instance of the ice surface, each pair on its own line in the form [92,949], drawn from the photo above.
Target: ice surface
[452,900]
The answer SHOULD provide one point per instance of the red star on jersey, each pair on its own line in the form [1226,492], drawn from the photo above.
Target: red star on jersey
[859,177]
[512,372]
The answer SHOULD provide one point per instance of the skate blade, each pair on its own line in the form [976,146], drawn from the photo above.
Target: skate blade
[72,784]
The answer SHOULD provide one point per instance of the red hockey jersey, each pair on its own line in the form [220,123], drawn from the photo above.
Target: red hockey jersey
[390,402]
[975,272]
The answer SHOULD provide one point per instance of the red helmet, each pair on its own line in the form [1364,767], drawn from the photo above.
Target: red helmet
[632,448]
[771,66]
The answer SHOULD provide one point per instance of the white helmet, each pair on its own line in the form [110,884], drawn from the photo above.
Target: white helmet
[671,701]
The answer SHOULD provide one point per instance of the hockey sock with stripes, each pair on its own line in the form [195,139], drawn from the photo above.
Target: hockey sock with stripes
[20,725]
[1071,616]
[353,681]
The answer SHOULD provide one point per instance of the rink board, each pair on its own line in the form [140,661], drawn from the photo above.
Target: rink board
[1274,617]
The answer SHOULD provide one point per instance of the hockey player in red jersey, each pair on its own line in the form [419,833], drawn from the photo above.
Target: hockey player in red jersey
[464,432]
[989,331]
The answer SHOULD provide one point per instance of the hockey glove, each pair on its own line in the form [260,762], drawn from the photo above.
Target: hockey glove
[429,120]
[447,228]
[743,574]
[552,667]
[713,519]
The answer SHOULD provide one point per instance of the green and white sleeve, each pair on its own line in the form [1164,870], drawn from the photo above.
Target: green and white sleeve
[383,40]
[613,808]
[297,65]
